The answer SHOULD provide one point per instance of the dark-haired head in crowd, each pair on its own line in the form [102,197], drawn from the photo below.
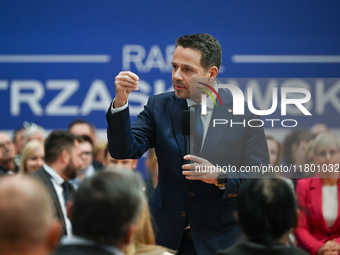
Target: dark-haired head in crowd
[87,169]
[18,139]
[104,214]
[267,213]
[27,222]
[130,164]
[62,159]
[294,146]
[82,127]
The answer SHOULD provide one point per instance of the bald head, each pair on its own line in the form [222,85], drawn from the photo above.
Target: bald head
[26,215]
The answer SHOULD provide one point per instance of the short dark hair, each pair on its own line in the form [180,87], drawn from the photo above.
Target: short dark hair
[209,47]
[81,121]
[85,138]
[106,204]
[56,142]
[266,209]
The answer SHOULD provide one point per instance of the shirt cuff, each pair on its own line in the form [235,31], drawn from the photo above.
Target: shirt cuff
[119,109]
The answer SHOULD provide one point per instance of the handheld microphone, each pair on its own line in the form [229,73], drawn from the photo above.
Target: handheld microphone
[188,127]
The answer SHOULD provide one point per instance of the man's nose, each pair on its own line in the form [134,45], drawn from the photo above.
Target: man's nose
[178,74]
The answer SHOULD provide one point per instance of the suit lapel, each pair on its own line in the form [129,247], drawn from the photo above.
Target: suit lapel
[215,134]
[176,109]
[47,180]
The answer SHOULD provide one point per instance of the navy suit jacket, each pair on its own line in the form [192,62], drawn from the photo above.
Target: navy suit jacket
[177,201]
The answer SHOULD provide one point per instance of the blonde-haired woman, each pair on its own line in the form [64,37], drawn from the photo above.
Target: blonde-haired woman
[144,242]
[32,157]
[318,230]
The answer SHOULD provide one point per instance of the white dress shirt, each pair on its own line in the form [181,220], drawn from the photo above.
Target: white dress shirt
[330,204]
[57,181]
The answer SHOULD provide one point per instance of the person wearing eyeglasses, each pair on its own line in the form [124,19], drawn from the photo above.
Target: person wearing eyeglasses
[87,169]
[318,229]
[7,154]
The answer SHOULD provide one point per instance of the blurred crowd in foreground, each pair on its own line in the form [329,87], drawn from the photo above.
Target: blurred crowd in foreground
[64,193]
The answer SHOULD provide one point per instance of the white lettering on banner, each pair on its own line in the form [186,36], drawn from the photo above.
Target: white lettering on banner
[97,90]
[330,96]
[29,94]
[3,84]
[140,97]
[97,98]
[135,54]
[68,88]
[32,99]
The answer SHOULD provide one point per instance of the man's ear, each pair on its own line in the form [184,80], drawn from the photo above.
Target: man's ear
[54,235]
[213,72]
[135,163]
[65,156]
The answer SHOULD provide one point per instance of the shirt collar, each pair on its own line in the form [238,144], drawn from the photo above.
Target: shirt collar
[210,103]
[54,175]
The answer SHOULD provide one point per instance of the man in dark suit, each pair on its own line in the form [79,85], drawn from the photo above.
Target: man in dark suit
[62,159]
[104,214]
[193,211]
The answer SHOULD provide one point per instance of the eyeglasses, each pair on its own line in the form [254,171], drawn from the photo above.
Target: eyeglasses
[86,153]
[30,125]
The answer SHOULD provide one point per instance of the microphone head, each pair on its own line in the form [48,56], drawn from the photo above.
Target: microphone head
[188,122]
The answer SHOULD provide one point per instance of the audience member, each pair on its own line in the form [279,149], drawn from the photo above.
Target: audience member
[82,127]
[267,212]
[32,158]
[308,160]
[292,146]
[34,132]
[152,166]
[319,223]
[18,139]
[319,128]
[62,159]
[88,169]
[7,164]
[144,242]
[99,151]
[27,223]
[275,151]
[130,164]
[104,214]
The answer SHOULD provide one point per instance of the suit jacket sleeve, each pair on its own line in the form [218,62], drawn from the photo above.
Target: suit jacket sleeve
[303,234]
[126,140]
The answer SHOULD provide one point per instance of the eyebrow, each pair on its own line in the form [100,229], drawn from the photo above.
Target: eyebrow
[185,65]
